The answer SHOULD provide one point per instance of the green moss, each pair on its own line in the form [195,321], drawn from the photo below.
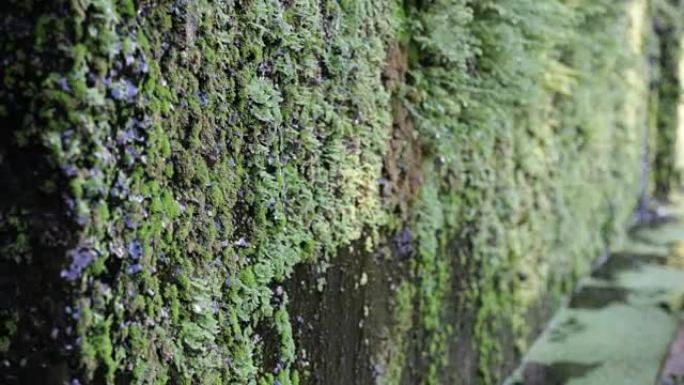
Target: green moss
[201,150]
[667,90]
[214,203]
[393,355]
[528,152]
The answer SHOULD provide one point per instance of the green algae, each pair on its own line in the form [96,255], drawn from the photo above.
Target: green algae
[620,324]
[628,341]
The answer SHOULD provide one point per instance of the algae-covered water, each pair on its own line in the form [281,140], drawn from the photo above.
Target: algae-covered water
[617,327]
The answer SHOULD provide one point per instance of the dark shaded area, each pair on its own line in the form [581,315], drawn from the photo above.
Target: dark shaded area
[463,358]
[35,227]
[557,373]
[619,262]
[671,307]
[339,329]
[463,365]
[596,297]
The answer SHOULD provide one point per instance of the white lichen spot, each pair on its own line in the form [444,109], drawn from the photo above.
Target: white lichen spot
[364,279]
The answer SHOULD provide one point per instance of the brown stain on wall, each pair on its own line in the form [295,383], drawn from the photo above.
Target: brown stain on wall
[403,161]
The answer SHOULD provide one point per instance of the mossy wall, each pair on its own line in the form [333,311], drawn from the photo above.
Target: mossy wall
[666,57]
[299,192]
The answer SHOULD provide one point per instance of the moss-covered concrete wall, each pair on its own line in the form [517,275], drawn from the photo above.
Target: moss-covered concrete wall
[666,56]
[309,192]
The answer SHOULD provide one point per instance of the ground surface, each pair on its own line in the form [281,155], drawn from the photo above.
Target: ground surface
[621,326]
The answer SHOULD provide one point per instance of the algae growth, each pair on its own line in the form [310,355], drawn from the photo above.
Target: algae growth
[618,325]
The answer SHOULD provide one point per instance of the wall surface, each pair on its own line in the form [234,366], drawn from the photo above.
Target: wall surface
[315,192]
[666,55]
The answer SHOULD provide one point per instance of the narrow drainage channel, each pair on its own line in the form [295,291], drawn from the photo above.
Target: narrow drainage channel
[623,324]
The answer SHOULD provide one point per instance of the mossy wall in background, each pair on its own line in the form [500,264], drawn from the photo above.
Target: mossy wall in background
[192,186]
[667,92]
